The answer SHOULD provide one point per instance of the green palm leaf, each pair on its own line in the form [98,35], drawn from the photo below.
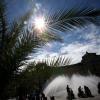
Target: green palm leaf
[16,43]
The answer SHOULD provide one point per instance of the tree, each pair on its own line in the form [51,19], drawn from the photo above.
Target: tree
[16,43]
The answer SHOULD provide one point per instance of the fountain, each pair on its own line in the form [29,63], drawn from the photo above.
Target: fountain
[57,87]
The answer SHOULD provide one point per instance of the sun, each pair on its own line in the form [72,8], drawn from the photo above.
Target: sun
[40,24]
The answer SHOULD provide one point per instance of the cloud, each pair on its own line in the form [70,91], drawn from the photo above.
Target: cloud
[73,47]
[37,7]
[85,39]
[77,50]
[89,40]
[93,34]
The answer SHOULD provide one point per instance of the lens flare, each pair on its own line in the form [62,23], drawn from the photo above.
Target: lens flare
[40,24]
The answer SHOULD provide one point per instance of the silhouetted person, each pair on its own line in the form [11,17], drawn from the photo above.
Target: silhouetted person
[43,96]
[30,97]
[52,98]
[68,89]
[81,93]
[88,92]
[37,95]
[21,93]
[33,95]
[70,93]
[99,87]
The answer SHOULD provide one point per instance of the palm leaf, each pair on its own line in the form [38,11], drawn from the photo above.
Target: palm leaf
[65,20]
[56,61]
[60,61]
[3,24]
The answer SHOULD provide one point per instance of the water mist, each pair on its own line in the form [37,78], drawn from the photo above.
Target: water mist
[57,87]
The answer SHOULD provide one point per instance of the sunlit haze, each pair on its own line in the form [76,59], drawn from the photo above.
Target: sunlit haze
[40,24]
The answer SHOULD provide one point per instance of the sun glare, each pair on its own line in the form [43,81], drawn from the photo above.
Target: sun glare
[40,24]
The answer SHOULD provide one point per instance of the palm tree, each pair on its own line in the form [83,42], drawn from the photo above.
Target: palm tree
[14,47]
[16,44]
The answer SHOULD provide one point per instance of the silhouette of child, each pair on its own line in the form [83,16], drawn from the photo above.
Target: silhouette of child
[88,92]
[99,87]
[70,93]
[81,93]
[43,96]
[52,98]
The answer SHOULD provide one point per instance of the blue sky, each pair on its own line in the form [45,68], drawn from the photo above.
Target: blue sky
[19,7]
[76,42]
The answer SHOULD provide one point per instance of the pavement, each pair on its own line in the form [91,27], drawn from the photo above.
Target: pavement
[94,98]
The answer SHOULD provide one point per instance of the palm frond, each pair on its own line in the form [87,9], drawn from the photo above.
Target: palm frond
[56,61]
[48,37]
[60,61]
[3,24]
[65,20]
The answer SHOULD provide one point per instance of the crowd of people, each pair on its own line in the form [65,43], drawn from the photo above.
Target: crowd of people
[82,93]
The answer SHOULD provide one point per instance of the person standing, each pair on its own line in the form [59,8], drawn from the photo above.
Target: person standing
[99,87]
[88,92]
[70,93]
[81,93]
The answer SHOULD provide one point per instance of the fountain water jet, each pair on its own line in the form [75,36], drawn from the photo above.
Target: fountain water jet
[57,87]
